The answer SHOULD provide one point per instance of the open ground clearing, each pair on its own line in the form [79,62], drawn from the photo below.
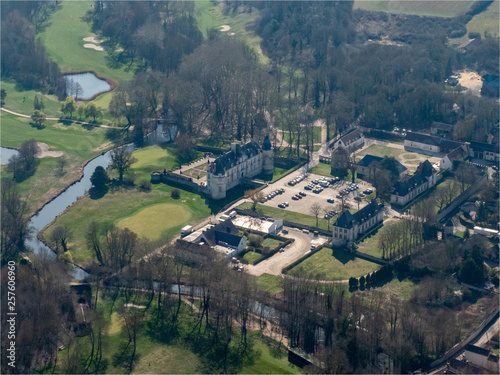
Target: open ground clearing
[419,8]
[328,264]
[120,207]
[76,142]
[64,41]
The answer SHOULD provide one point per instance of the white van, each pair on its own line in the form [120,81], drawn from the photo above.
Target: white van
[186,230]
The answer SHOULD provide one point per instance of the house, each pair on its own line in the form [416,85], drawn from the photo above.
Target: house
[352,141]
[349,227]
[441,129]
[458,154]
[465,46]
[449,227]
[424,178]
[484,151]
[432,143]
[223,237]
[366,167]
[482,358]
[490,86]
[236,165]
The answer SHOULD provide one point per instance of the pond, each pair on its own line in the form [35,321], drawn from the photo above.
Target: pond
[85,85]
[6,154]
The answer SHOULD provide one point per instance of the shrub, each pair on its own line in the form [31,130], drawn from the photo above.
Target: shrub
[176,193]
[353,283]
[255,240]
[145,185]
[362,282]
[67,256]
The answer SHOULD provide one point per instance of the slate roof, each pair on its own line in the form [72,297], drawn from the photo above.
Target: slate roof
[230,158]
[224,232]
[368,159]
[477,350]
[447,145]
[481,147]
[404,187]
[266,145]
[423,138]
[425,169]
[352,136]
[346,219]
[459,153]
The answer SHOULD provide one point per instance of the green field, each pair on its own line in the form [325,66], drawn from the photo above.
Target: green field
[78,144]
[22,101]
[63,40]
[252,256]
[328,264]
[270,283]
[324,169]
[420,8]
[288,215]
[149,214]
[487,21]
[211,16]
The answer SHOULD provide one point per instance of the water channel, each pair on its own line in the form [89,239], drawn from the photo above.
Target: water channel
[85,85]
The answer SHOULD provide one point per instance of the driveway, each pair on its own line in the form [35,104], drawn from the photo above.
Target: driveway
[293,252]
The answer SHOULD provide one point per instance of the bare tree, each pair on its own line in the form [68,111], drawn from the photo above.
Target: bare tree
[121,160]
[61,235]
[315,210]
[255,196]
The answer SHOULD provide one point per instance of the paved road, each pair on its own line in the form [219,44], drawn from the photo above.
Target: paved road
[293,252]
[488,335]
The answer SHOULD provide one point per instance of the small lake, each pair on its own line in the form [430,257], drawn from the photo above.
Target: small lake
[85,85]
[6,154]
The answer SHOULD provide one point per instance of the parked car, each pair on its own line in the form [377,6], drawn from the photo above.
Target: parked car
[281,205]
[313,247]
[339,196]
[286,204]
[330,200]
[295,198]
[308,187]
[302,193]
[284,231]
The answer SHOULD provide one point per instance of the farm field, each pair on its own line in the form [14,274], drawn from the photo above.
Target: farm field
[328,264]
[78,144]
[419,8]
[154,214]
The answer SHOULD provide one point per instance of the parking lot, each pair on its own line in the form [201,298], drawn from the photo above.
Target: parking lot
[328,193]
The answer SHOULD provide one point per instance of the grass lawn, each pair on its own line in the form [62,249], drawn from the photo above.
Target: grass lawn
[272,358]
[324,169]
[78,144]
[63,40]
[151,214]
[370,245]
[210,16]
[22,101]
[271,243]
[328,264]
[419,8]
[152,221]
[288,215]
[270,283]
[379,150]
[402,289]
[251,257]
[278,173]
[487,21]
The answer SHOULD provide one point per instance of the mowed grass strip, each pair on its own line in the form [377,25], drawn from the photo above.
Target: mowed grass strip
[21,101]
[328,264]
[152,221]
[63,40]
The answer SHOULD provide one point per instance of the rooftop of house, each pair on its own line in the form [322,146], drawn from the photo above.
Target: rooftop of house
[482,147]
[459,153]
[432,140]
[442,126]
[266,145]
[230,158]
[347,220]
[476,349]
[224,232]
[352,136]
[424,170]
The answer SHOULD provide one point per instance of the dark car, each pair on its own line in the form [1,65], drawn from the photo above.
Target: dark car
[302,193]
[330,200]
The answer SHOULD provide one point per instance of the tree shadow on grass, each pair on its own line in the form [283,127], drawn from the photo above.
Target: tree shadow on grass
[123,357]
[97,193]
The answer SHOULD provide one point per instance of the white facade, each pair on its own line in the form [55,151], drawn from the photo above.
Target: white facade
[445,164]
[422,146]
[239,163]
[272,226]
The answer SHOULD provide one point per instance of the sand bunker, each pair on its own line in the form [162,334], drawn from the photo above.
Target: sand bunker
[224,28]
[230,34]
[92,39]
[93,46]
[44,151]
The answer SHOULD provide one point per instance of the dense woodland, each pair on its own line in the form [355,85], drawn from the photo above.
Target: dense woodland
[327,61]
